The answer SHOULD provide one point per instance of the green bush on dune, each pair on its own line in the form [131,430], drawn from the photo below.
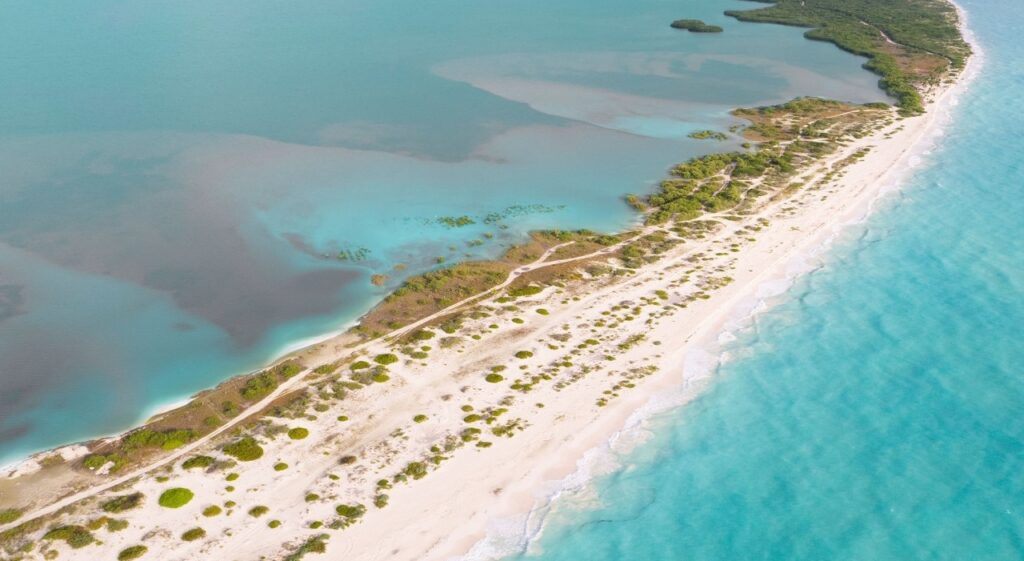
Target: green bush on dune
[246,449]
[176,497]
[133,552]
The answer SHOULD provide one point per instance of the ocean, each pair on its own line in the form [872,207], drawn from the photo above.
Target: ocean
[188,188]
[876,409]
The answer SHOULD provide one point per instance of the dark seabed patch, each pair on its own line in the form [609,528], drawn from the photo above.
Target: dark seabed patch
[12,300]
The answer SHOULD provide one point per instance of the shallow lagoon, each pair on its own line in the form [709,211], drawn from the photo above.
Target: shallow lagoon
[179,177]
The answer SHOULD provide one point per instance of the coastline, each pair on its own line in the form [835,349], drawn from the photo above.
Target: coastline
[567,452]
[512,531]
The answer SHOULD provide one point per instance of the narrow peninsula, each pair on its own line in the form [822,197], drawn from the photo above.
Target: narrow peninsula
[488,378]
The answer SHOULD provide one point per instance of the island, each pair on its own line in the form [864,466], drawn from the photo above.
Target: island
[696,26]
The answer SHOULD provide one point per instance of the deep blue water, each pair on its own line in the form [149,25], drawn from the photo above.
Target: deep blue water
[177,178]
[878,411]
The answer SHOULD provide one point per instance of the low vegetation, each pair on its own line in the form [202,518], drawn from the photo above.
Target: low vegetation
[197,462]
[75,536]
[695,26]
[315,544]
[175,497]
[9,515]
[245,449]
[212,510]
[193,534]
[708,135]
[258,511]
[122,503]
[907,43]
[133,552]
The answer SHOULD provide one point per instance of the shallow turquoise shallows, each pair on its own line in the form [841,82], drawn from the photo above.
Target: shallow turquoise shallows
[877,413]
[188,187]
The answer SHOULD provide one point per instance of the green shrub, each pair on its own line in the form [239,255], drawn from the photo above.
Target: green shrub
[312,545]
[96,461]
[258,386]
[193,534]
[381,377]
[258,511]
[245,449]
[197,462]
[9,515]
[380,501]
[325,368]
[96,523]
[312,497]
[274,523]
[280,466]
[494,378]
[415,470]
[524,355]
[351,511]
[122,503]
[114,525]
[175,497]
[212,510]
[149,438]
[472,418]
[298,433]
[385,359]
[75,536]
[360,365]
[231,477]
[133,552]
[525,291]
[419,418]
[422,335]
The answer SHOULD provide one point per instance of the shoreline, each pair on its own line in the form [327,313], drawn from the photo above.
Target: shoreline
[448,517]
[583,439]
[603,457]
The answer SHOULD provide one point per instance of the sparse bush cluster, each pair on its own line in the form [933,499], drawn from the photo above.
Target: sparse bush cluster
[75,536]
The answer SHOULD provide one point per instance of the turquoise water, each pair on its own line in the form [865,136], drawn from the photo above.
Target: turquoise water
[878,411]
[179,178]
